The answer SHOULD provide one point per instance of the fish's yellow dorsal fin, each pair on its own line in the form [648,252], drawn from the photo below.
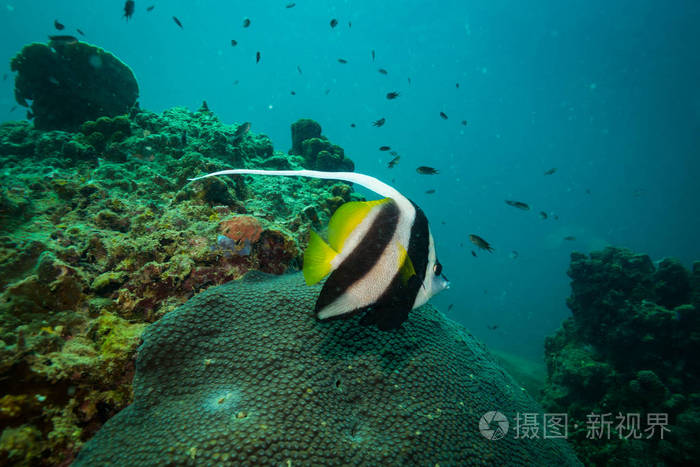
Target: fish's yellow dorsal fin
[317,259]
[406,269]
[346,218]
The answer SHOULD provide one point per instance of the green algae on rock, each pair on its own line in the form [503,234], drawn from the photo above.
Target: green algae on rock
[630,347]
[243,374]
[70,82]
[106,234]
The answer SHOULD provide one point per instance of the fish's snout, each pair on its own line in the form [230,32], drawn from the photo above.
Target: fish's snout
[445,282]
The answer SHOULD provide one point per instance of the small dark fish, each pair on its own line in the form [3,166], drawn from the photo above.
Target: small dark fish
[241,131]
[474,253]
[449,307]
[177,21]
[129,6]
[392,95]
[457,85]
[352,125]
[80,32]
[513,254]
[290,5]
[293,93]
[555,217]
[480,242]
[570,238]
[492,327]
[464,122]
[14,107]
[64,40]
[543,215]
[372,54]
[334,23]
[246,22]
[327,91]
[235,82]
[550,171]
[349,24]
[588,191]
[430,192]
[58,25]
[425,170]
[443,115]
[392,163]
[342,60]
[299,69]
[4,77]
[394,153]
[384,148]
[379,122]
[383,71]
[150,8]
[409,81]
[234,42]
[257,57]
[518,204]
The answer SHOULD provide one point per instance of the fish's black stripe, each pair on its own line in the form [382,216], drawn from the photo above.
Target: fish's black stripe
[363,258]
[419,244]
[396,302]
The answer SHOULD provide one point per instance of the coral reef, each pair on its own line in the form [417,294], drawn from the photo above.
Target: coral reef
[318,152]
[629,347]
[243,374]
[69,82]
[101,233]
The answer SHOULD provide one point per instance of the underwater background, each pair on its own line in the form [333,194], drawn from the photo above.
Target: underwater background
[606,93]
[491,94]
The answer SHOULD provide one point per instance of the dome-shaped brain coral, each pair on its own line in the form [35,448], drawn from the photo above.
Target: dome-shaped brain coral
[243,374]
[70,82]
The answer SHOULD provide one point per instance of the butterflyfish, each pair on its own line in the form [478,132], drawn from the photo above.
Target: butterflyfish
[380,257]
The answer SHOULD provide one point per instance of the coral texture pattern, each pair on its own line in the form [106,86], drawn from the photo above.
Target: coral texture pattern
[243,374]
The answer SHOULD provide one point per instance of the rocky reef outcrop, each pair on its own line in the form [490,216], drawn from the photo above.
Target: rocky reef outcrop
[101,233]
[69,82]
[630,347]
[318,152]
[245,375]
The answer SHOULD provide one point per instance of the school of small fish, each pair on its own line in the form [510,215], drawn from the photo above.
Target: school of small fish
[130,8]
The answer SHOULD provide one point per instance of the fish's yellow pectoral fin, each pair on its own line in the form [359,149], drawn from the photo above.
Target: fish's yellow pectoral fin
[406,269]
[346,218]
[317,259]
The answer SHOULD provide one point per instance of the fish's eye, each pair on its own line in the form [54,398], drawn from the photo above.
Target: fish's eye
[437,269]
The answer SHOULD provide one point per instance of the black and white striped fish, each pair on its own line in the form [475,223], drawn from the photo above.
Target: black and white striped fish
[380,254]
